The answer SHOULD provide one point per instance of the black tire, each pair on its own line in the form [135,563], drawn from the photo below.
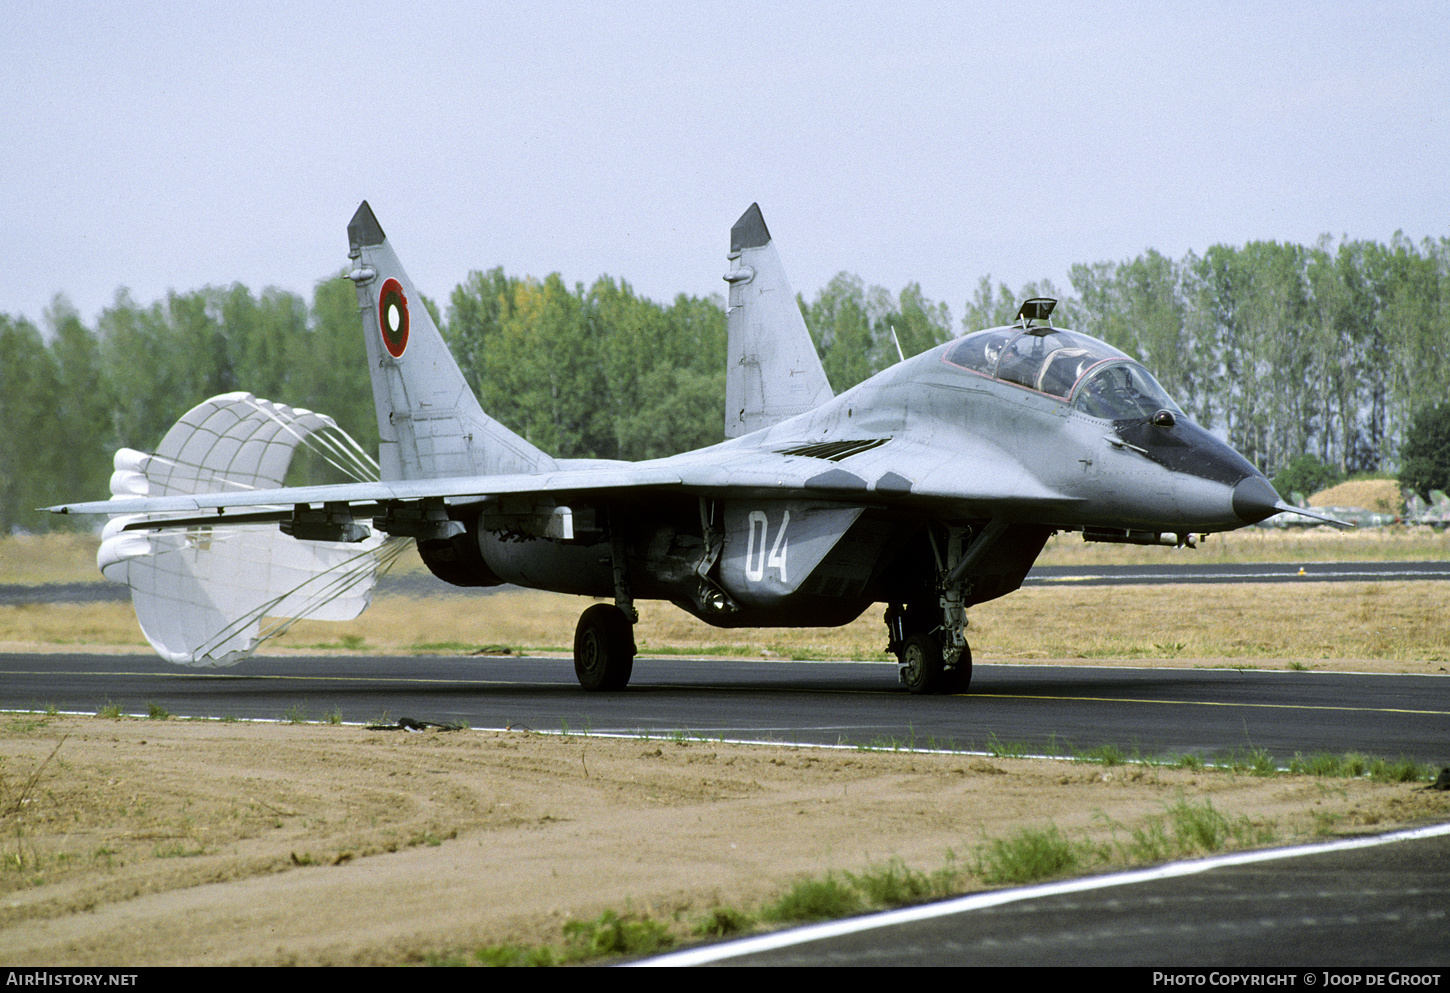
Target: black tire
[958,678]
[921,663]
[603,648]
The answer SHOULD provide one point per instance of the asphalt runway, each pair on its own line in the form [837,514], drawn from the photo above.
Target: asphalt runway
[1036,709]
[418,584]
[1348,906]
[1255,572]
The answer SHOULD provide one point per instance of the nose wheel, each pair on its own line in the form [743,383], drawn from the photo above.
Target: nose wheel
[924,669]
[921,663]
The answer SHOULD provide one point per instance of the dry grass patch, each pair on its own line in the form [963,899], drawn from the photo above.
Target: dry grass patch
[50,558]
[1400,626]
[1316,544]
[1310,622]
[1382,495]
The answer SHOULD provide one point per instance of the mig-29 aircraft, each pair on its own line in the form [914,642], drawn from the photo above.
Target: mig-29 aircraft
[930,487]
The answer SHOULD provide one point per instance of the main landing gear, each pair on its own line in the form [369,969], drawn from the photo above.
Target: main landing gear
[604,648]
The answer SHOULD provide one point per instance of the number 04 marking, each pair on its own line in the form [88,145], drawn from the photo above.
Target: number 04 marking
[756,559]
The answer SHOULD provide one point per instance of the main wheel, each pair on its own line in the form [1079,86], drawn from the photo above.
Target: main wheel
[603,648]
[959,677]
[921,663]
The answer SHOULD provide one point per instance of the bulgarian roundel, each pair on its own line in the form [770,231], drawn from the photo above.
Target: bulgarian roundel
[393,318]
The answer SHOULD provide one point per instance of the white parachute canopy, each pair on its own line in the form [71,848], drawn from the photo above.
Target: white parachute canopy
[201,593]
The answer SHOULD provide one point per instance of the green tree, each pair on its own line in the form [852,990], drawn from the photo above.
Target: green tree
[919,323]
[476,312]
[82,407]
[544,377]
[679,409]
[32,448]
[328,364]
[1425,457]
[847,324]
[1306,474]
[986,310]
[143,370]
[267,333]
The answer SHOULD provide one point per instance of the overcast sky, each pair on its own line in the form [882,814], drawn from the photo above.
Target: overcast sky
[162,146]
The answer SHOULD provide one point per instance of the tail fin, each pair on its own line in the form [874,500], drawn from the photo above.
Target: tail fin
[430,423]
[773,370]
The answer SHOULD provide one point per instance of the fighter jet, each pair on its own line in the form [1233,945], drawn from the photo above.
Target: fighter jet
[929,488]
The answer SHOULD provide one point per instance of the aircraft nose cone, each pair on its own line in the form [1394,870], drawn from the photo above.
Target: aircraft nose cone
[1254,499]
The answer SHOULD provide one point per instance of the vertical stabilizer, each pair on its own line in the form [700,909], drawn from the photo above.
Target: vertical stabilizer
[773,371]
[430,423]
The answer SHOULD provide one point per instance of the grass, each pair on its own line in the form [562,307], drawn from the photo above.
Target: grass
[1184,829]
[609,935]
[723,922]
[613,934]
[1243,624]
[1027,856]
[999,749]
[178,850]
[15,798]
[1254,761]
[1352,765]
[1188,829]
[1108,755]
[815,899]
[1393,621]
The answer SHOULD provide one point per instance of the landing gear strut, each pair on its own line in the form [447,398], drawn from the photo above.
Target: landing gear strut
[604,648]
[929,635]
[930,663]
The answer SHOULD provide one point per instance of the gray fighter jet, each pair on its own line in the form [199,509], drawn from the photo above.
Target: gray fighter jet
[928,488]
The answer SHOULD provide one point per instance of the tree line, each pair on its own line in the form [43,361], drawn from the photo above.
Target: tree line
[1326,351]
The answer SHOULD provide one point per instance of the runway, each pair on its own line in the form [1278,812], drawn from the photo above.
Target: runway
[1038,709]
[1356,906]
[1106,575]
[1237,572]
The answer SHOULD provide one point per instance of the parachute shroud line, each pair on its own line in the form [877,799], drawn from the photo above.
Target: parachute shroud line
[201,594]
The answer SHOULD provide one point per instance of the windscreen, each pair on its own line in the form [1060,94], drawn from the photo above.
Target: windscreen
[1048,360]
[1121,391]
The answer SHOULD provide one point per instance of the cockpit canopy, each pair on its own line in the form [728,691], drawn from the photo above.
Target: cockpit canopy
[1093,376]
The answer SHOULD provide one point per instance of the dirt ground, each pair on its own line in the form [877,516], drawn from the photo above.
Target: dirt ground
[132,842]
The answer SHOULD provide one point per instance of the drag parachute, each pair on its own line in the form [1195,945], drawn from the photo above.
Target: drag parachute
[201,593]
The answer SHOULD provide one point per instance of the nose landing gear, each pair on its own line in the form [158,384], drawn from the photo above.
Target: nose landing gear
[929,638]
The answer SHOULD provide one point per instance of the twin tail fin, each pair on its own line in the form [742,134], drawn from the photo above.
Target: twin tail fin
[773,370]
[430,423]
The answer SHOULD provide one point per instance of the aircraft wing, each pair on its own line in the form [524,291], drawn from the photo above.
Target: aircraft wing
[459,489]
[898,474]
